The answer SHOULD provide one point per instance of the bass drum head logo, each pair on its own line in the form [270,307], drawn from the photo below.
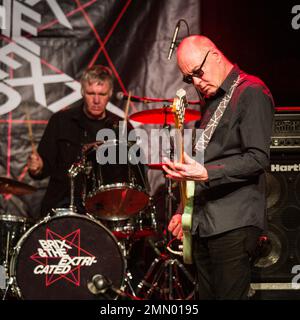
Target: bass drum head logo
[58,258]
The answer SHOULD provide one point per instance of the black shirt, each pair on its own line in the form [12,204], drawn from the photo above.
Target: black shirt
[235,158]
[61,146]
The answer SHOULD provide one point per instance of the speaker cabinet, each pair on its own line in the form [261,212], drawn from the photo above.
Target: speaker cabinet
[281,251]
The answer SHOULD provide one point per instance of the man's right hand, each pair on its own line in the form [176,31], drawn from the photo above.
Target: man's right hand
[175,226]
[35,163]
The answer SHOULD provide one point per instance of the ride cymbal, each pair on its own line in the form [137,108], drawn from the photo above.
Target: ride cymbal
[10,186]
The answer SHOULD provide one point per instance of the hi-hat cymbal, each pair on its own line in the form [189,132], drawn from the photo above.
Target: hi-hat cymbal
[162,116]
[15,187]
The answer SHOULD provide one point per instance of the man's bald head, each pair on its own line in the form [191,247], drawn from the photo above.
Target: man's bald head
[193,47]
[198,52]
[195,43]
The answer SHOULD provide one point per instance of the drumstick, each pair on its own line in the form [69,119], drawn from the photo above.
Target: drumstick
[126,112]
[30,134]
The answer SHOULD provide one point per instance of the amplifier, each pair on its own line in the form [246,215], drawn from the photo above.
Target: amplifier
[282,251]
[286,132]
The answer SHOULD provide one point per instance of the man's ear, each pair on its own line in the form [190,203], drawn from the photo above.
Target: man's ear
[217,55]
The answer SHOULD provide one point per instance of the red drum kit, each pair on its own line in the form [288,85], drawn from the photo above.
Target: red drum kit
[82,256]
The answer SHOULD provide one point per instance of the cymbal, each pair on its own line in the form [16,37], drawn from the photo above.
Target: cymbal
[163,115]
[155,166]
[15,187]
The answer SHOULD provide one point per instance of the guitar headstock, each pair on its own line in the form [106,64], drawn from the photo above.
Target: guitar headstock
[178,107]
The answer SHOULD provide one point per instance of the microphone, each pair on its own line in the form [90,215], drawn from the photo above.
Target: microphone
[173,43]
[100,284]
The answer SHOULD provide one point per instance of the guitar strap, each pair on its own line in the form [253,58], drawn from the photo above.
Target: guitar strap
[216,117]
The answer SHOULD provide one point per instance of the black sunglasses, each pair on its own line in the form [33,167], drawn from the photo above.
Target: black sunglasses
[188,78]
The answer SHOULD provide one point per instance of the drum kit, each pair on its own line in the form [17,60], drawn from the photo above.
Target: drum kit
[68,255]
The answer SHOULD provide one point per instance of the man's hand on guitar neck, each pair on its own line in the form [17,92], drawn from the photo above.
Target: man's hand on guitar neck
[188,170]
[175,226]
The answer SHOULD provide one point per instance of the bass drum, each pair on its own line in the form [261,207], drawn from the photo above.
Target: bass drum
[59,258]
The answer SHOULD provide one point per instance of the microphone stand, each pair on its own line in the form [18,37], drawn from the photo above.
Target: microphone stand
[171,264]
[103,287]
[163,275]
[168,209]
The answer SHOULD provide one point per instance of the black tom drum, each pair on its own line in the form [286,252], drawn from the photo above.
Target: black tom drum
[115,190]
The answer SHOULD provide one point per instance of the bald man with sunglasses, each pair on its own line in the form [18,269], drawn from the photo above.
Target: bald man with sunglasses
[229,212]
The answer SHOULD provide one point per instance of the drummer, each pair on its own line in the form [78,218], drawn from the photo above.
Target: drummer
[65,135]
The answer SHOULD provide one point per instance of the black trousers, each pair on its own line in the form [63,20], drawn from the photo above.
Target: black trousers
[223,263]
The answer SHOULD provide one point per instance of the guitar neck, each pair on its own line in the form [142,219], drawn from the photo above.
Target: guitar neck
[179,105]
[183,197]
[178,155]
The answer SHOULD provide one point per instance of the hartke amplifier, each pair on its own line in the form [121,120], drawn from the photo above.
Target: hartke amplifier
[282,250]
[286,132]
[272,276]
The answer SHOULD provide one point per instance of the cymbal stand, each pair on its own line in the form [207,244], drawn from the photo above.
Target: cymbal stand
[4,267]
[164,273]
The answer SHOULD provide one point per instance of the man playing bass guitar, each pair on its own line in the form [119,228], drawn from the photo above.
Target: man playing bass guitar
[229,207]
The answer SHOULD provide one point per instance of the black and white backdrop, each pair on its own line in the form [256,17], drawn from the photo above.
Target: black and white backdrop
[46,44]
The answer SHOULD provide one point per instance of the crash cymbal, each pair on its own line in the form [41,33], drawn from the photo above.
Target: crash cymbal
[162,116]
[15,187]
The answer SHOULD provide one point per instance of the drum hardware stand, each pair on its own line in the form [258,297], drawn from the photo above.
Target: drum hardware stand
[9,282]
[126,246]
[74,170]
[163,278]
[127,280]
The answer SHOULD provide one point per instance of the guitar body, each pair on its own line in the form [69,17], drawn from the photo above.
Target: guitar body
[186,221]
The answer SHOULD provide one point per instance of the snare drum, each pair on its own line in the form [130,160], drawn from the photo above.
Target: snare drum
[11,229]
[123,229]
[142,225]
[146,224]
[114,191]
[59,257]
